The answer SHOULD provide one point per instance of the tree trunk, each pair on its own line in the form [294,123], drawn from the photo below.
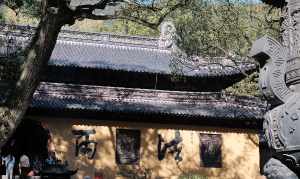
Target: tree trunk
[37,55]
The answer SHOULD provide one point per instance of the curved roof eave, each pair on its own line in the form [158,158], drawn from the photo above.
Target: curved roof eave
[125,100]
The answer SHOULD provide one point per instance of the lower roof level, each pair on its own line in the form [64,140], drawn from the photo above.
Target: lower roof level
[144,105]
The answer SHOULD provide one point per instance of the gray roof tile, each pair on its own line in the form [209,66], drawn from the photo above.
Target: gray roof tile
[130,58]
[113,99]
[117,52]
[107,56]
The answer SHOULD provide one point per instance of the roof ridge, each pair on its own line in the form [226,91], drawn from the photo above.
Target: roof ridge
[103,37]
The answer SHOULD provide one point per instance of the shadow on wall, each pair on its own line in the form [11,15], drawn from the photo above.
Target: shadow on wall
[30,138]
[239,154]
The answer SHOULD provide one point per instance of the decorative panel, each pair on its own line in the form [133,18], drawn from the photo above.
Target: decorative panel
[128,146]
[210,150]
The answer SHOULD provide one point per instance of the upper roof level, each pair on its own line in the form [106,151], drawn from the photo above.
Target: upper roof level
[85,55]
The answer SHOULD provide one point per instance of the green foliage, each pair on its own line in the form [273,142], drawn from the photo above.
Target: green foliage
[124,27]
[28,13]
[211,28]
[128,28]
[217,27]
[31,8]
[14,4]
[246,87]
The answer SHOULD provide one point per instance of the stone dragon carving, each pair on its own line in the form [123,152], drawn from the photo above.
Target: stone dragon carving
[279,84]
[167,34]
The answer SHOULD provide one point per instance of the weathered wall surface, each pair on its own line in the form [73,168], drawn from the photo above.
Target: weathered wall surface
[240,153]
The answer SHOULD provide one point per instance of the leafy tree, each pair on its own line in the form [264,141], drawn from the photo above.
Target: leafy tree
[226,28]
[53,15]
[246,87]
[214,28]
[129,28]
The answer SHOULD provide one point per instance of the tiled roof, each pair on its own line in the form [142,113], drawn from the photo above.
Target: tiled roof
[113,99]
[106,56]
[124,53]
[132,58]
[137,54]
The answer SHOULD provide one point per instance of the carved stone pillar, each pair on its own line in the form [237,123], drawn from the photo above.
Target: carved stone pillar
[291,39]
[280,85]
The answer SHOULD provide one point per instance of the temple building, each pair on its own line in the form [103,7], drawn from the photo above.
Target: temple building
[115,109]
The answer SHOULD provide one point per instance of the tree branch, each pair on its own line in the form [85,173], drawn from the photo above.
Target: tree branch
[37,55]
[87,11]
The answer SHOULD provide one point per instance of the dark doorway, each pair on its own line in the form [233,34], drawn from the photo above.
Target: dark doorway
[30,138]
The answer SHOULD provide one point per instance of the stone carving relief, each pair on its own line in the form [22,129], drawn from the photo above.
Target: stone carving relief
[272,57]
[276,170]
[290,27]
[167,35]
[280,64]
